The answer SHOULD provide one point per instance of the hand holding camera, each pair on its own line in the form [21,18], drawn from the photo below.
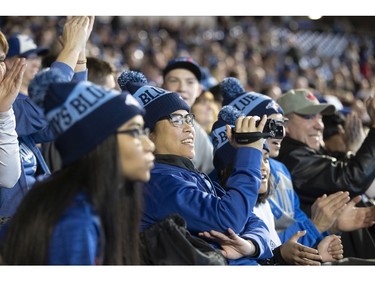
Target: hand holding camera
[272,129]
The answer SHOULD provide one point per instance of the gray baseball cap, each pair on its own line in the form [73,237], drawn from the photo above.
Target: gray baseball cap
[303,101]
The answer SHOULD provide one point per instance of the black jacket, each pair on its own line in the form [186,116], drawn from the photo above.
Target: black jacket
[315,173]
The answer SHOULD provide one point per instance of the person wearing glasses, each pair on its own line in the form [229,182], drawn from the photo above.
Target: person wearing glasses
[88,212]
[183,75]
[177,187]
[316,174]
[329,214]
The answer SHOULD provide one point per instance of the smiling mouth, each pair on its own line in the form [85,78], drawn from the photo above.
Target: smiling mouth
[187,141]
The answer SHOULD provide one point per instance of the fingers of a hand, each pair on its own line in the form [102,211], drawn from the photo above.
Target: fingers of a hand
[308,250]
[205,234]
[262,122]
[337,199]
[228,131]
[305,261]
[355,200]
[231,233]
[246,123]
[17,70]
[338,256]
[310,256]
[297,235]
[218,234]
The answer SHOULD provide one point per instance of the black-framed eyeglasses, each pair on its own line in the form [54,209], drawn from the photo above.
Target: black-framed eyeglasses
[177,120]
[136,133]
[307,116]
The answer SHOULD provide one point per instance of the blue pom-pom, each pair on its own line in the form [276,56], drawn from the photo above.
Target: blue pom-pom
[131,76]
[231,88]
[229,114]
[38,87]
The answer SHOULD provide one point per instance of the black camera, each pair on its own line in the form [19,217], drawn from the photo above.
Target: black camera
[272,129]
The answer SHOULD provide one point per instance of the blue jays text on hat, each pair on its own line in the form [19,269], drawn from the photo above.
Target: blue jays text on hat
[23,46]
[83,115]
[156,101]
[250,103]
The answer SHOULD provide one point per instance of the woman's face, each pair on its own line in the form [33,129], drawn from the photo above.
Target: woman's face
[265,171]
[173,139]
[136,150]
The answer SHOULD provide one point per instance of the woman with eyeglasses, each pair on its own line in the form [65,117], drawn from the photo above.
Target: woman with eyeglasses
[88,213]
[177,187]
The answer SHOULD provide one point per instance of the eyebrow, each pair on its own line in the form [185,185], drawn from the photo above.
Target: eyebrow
[135,124]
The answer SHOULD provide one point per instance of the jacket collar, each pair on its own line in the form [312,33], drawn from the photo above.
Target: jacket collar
[175,160]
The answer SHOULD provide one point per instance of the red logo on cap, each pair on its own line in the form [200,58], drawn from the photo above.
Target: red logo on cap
[310,96]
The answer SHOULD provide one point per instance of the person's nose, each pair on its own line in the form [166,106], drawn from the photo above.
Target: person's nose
[318,122]
[148,145]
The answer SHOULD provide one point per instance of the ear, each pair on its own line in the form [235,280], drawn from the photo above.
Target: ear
[200,90]
[152,136]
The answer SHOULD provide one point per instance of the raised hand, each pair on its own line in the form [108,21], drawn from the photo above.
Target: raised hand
[354,132]
[326,209]
[353,218]
[74,39]
[10,85]
[298,254]
[370,106]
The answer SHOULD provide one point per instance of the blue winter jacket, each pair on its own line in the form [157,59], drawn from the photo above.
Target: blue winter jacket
[77,238]
[284,201]
[32,128]
[176,187]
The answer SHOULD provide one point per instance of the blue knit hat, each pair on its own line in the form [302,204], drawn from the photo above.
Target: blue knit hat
[185,63]
[38,86]
[224,152]
[83,115]
[236,102]
[157,101]
[250,103]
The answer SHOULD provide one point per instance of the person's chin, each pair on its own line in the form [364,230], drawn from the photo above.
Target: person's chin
[190,155]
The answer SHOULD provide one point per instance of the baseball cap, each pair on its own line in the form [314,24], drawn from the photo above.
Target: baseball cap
[23,45]
[303,101]
[185,63]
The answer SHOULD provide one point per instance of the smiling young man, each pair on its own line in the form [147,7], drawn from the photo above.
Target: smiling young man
[183,75]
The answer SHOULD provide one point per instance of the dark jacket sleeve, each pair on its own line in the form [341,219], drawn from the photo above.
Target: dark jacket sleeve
[277,259]
[315,174]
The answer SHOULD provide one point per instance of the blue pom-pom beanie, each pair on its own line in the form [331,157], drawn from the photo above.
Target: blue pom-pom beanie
[224,152]
[156,101]
[83,115]
[250,103]
[236,102]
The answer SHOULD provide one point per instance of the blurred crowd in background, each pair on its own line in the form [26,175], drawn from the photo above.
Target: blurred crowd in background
[269,55]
